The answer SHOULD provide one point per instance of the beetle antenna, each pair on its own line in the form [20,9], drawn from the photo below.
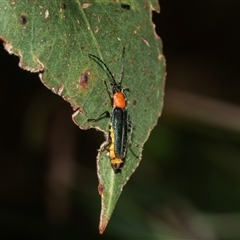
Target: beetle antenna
[122,69]
[113,82]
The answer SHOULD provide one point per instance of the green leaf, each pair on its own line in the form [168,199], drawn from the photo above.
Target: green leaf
[55,37]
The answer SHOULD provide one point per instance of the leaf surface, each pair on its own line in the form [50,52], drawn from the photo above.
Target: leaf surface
[55,38]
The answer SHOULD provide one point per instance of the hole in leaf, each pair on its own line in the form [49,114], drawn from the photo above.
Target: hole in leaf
[125,6]
[63,6]
[23,19]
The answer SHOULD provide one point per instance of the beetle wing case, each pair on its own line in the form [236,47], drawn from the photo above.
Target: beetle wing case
[119,121]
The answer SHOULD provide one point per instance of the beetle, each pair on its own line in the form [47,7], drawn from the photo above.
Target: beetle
[120,123]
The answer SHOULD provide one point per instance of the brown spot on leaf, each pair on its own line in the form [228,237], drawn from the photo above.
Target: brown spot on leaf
[23,19]
[84,79]
[134,102]
[96,30]
[100,189]
[145,5]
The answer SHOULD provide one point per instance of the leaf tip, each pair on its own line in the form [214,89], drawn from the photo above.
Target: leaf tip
[103,223]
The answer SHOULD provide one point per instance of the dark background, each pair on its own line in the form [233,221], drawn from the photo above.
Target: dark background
[188,184]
